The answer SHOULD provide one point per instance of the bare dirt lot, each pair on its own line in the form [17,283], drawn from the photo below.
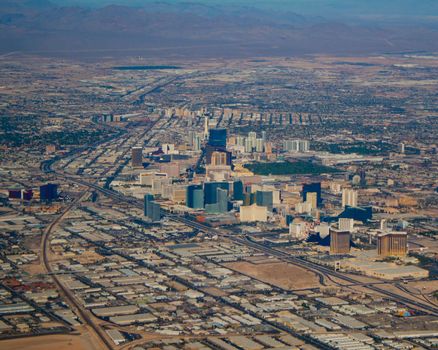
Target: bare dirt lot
[283,275]
[52,342]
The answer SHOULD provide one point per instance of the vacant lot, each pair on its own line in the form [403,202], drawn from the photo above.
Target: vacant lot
[280,274]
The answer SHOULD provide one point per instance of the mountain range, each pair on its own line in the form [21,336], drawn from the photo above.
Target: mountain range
[193,30]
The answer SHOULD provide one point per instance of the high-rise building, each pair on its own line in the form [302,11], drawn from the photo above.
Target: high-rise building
[195,197]
[240,140]
[48,192]
[345,224]
[265,199]
[349,197]
[296,146]
[221,204]
[152,210]
[339,242]
[217,138]
[312,199]
[312,187]
[219,158]
[210,191]
[222,200]
[259,145]
[147,199]
[248,146]
[206,127]
[197,143]
[392,244]
[253,213]
[402,148]
[137,157]
[298,230]
[323,229]
[363,179]
[238,194]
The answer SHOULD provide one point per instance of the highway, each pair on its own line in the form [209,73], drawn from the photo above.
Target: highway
[45,246]
[320,270]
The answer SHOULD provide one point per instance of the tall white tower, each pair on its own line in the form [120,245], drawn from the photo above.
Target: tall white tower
[206,126]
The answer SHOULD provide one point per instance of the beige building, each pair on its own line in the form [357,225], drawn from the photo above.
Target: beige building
[339,242]
[392,244]
[253,213]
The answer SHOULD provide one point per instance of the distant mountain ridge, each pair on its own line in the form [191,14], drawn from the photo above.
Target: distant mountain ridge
[194,30]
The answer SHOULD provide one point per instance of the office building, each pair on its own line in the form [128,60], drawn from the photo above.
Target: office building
[206,122]
[345,224]
[323,229]
[219,158]
[349,197]
[168,148]
[238,194]
[195,197]
[217,138]
[392,244]
[310,188]
[312,199]
[221,204]
[210,191]
[264,199]
[259,147]
[253,213]
[298,230]
[147,199]
[197,143]
[48,192]
[401,148]
[339,242]
[296,146]
[248,146]
[152,210]
[137,157]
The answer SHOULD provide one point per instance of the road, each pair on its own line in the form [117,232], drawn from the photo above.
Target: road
[320,270]
[68,295]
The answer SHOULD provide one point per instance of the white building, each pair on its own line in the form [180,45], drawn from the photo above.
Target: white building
[349,197]
[346,224]
[253,213]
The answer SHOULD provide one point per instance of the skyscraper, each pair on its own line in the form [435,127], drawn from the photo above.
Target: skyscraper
[219,158]
[195,197]
[349,197]
[264,199]
[345,224]
[392,244]
[238,194]
[48,192]
[312,187]
[312,199]
[137,157]
[147,199]
[152,210]
[210,191]
[339,242]
[217,138]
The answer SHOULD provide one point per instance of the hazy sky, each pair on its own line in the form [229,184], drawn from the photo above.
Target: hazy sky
[313,7]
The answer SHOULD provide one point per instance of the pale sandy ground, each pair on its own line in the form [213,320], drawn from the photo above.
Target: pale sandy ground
[425,287]
[52,342]
[282,275]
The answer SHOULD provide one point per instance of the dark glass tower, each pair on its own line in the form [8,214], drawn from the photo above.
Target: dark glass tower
[217,138]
